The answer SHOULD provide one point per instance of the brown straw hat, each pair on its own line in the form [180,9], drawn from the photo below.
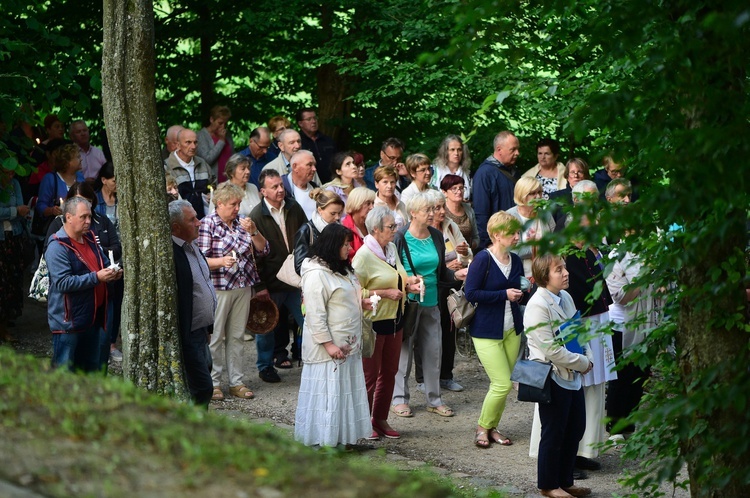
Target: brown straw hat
[263,317]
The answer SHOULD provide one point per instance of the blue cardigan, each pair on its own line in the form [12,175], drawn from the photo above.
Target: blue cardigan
[491,297]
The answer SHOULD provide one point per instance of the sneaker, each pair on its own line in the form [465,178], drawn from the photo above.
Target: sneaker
[116,355]
[420,387]
[249,337]
[269,374]
[451,385]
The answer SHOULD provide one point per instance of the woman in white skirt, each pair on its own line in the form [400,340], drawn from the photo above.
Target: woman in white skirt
[332,406]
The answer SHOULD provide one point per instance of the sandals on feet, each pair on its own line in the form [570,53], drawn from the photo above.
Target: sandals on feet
[241,392]
[442,410]
[499,438]
[481,440]
[284,363]
[218,395]
[402,410]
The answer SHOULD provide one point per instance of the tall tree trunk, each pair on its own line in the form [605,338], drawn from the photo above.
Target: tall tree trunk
[149,327]
[333,109]
[207,67]
[711,336]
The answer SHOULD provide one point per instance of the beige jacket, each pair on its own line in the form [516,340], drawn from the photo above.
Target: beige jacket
[333,311]
[562,182]
[543,316]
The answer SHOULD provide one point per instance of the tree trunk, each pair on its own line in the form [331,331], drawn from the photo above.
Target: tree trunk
[333,109]
[207,67]
[708,340]
[153,357]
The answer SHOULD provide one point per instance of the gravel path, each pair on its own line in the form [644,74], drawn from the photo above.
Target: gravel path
[445,443]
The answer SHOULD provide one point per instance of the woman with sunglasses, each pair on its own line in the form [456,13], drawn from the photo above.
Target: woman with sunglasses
[527,192]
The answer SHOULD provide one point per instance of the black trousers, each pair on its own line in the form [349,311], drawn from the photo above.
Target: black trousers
[197,359]
[624,394]
[563,425]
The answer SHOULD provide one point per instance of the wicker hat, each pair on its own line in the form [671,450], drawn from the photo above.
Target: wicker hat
[263,317]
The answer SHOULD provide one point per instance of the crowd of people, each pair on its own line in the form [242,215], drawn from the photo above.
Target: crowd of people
[376,251]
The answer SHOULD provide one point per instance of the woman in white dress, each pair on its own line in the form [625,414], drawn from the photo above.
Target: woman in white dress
[332,406]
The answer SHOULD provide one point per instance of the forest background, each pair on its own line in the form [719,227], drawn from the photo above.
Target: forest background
[662,86]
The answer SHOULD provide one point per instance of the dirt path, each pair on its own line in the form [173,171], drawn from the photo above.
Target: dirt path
[446,443]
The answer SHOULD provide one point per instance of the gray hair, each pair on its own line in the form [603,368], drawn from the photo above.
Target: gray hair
[232,163]
[441,158]
[420,201]
[176,211]
[300,153]
[583,187]
[376,217]
[437,196]
[287,131]
[617,182]
[500,138]
[75,122]
[71,206]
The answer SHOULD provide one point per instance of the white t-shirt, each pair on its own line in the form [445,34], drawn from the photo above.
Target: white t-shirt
[303,199]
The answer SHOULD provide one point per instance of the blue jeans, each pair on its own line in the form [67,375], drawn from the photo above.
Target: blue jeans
[265,343]
[78,350]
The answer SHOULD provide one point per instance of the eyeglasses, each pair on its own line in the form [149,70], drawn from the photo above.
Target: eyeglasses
[575,173]
[392,227]
[458,189]
[614,172]
[423,170]
[393,158]
[263,147]
[429,210]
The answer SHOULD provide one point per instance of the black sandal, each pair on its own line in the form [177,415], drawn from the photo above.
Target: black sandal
[284,363]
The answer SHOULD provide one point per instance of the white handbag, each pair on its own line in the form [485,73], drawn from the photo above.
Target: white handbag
[288,274]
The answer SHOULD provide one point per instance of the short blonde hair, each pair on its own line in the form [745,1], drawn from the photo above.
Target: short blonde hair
[524,186]
[414,161]
[226,192]
[357,199]
[385,172]
[420,201]
[502,222]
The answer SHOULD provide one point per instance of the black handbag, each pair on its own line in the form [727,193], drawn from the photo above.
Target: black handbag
[534,382]
[411,309]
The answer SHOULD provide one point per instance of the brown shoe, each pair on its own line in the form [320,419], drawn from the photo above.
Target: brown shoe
[555,493]
[578,491]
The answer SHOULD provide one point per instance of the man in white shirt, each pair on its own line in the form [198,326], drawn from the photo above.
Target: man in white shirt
[92,158]
[299,182]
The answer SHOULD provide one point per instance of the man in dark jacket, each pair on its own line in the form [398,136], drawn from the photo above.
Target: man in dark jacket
[77,302]
[277,218]
[322,146]
[196,301]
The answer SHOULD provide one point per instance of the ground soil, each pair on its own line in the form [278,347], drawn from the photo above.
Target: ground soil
[445,443]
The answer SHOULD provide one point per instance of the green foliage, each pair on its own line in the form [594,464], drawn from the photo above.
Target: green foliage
[141,443]
[663,86]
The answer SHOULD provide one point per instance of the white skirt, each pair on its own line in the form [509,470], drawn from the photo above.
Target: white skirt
[332,406]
